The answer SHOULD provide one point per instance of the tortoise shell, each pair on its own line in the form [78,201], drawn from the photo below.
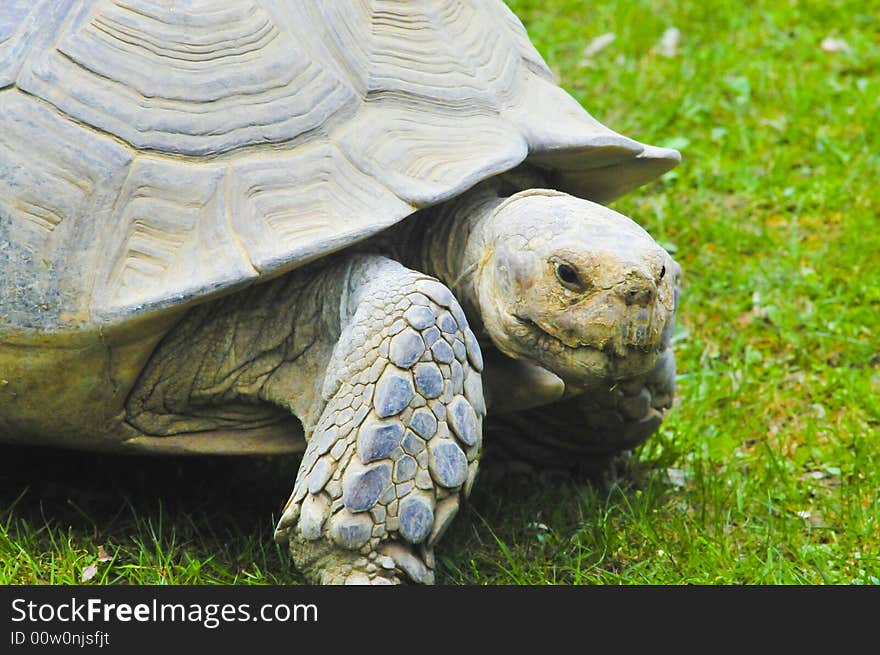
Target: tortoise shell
[154,153]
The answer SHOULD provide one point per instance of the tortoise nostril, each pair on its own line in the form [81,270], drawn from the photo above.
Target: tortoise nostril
[638,292]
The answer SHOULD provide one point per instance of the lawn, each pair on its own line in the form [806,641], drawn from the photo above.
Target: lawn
[768,468]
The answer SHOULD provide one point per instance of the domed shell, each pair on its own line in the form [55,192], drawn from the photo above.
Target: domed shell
[157,152]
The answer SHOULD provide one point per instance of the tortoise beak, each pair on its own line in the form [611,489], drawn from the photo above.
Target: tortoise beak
[615,321]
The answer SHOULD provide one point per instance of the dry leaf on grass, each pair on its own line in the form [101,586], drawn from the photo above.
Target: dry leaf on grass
[668,45]
[89,572]
[832,45]
[598,44]
[677,478]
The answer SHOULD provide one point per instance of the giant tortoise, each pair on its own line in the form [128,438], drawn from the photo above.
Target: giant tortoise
[347,229]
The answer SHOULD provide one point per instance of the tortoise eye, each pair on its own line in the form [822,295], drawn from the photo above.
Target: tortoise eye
[662,273]
[568,275]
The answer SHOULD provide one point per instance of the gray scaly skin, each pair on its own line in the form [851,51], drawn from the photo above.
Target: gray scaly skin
[381,365]
[398,441]
[584,434]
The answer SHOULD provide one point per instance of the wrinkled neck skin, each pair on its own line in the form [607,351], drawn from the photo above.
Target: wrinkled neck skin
[557,281]
[450,242]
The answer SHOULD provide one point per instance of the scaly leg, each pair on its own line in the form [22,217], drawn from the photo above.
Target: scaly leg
[397,444]
[584,433]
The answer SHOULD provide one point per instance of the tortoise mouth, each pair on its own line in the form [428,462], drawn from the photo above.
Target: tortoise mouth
[586,362]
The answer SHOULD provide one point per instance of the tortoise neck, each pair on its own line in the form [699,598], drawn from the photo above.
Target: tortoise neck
[450,242]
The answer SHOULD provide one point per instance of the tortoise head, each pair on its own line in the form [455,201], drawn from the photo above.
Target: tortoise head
[575,287]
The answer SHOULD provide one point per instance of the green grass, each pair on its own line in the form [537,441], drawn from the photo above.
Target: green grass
[768,469]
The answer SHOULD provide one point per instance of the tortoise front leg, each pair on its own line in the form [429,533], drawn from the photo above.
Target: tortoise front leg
[585,433]
[397,444]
